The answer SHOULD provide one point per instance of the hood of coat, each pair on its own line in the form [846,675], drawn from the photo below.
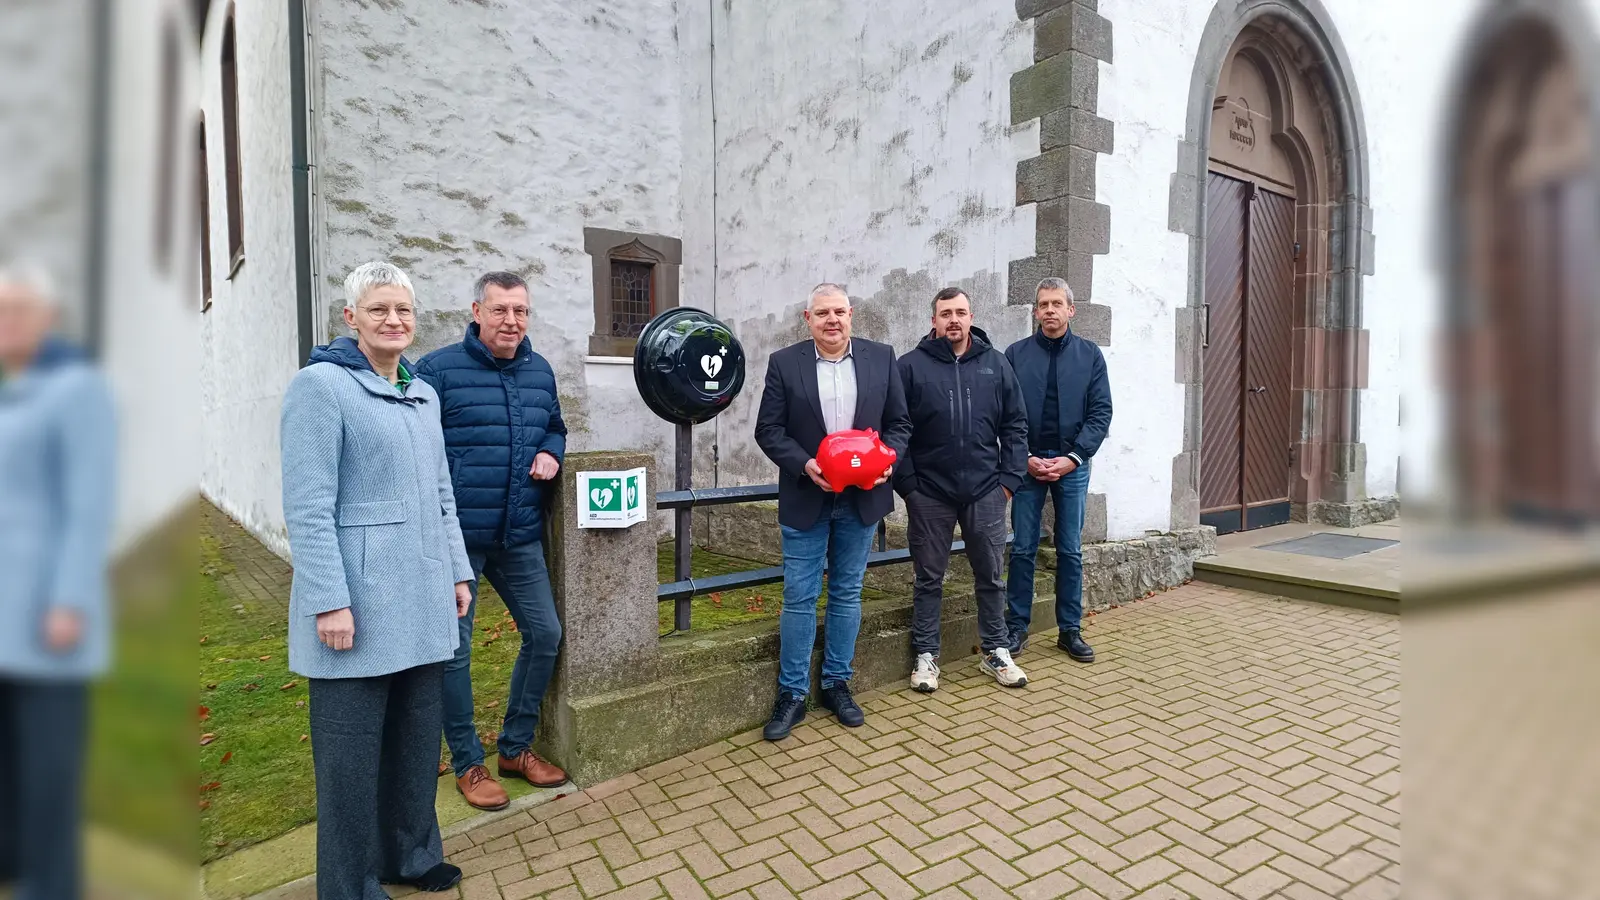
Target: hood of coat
[346,353]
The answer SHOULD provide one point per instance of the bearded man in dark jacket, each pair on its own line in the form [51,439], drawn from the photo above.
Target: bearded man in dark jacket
[967,457]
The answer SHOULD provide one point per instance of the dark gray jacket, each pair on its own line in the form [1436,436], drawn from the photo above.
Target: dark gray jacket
[969,431]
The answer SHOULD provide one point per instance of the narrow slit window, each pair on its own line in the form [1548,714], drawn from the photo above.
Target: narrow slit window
[205,221]
[230,137]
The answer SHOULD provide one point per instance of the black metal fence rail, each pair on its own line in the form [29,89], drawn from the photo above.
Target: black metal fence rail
[685,587]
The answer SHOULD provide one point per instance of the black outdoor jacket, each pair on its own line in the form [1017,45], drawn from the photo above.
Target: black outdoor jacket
[969,429]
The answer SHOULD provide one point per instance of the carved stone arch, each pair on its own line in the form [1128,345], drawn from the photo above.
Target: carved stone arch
[1315,129]
[1518,201]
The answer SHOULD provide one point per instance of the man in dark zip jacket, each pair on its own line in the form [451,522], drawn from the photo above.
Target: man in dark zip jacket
[1068,397]
[967,456]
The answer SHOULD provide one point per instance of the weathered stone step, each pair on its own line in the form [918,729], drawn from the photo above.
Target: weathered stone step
[1297,586]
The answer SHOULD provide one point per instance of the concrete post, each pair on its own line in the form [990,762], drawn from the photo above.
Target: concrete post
[604,580]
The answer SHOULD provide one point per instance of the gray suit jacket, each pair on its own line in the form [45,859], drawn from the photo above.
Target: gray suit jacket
[372,522]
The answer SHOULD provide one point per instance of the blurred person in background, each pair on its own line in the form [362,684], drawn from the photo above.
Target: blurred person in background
[57,494]
[380,576]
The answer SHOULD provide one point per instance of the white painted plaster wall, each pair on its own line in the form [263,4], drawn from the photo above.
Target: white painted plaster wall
[546,119]
[249,341]
[1145,277]
[149,321]
[151,318]
[866,144]
[45,76]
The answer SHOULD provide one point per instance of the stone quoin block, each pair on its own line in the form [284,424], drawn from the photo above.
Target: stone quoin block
[1076,128]
[1072,27]
[1073,223]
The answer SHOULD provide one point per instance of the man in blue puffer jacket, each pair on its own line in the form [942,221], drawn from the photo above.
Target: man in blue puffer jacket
[505,439]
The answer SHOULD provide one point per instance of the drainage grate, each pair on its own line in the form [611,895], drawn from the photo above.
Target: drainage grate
[1329,545]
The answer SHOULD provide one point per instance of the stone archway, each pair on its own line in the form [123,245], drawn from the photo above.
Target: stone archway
[1307,149]
[1521,206]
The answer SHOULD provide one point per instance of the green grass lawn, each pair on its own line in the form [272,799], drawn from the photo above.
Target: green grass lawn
[258,766]
[140,769]
[720,610]
[255,772]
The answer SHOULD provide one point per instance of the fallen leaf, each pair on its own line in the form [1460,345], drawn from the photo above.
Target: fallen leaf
[263,658]
[304,738]
[207,738]
[290,686]
[226,758]
[211,687]
[205,713]
[251,686]
[491,704]
[205,804]
[299,704]
[210,787]
[203,638]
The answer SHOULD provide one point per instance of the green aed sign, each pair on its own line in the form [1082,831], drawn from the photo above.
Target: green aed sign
[611,499]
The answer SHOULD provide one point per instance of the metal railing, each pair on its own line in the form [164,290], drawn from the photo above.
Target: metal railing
[684,588]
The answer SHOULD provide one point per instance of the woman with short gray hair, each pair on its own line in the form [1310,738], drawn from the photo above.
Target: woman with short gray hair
[380,576]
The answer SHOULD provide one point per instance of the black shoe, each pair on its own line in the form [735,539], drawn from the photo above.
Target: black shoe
[837,700]
[1019,641]
[442,877]
[1072,641]
[788,712]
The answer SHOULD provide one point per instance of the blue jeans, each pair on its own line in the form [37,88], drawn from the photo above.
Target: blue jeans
[522,581]
[1070,493]
[841,541]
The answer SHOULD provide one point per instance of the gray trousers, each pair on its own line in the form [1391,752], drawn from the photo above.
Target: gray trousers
[930,528]
[375,749]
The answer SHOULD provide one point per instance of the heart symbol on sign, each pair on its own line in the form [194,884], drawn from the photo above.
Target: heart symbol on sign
[711,364]
[601,496]
[633,495]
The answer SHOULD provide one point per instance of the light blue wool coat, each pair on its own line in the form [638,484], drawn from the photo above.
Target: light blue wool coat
[371,516]
[58,460]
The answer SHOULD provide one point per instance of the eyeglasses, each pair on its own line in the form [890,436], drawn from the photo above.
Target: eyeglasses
[499,313]
[381,313]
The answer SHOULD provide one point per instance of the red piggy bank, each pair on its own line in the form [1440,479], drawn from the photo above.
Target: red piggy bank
[854,459]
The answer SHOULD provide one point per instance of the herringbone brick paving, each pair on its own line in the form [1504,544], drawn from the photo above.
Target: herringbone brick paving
[1227,744]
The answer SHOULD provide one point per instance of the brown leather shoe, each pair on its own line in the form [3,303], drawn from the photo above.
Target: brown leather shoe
[481,790]
[536,771]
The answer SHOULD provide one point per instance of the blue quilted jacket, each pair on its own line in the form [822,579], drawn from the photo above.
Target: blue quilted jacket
[498,414]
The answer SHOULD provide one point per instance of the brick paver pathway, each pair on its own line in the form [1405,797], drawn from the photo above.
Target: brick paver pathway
[252,572]
[1227,744]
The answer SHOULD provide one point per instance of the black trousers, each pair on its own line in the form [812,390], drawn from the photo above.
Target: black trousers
[43,727]
[375,748]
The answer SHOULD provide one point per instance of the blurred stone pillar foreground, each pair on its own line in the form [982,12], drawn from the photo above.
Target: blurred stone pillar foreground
[604,580]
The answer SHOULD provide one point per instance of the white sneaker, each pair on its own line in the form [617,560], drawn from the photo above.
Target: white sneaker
[925,675]
[997,662]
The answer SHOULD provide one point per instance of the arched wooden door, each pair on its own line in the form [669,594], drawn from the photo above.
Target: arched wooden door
[1246,444]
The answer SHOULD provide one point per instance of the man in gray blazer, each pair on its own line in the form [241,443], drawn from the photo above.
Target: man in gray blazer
[57,440]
